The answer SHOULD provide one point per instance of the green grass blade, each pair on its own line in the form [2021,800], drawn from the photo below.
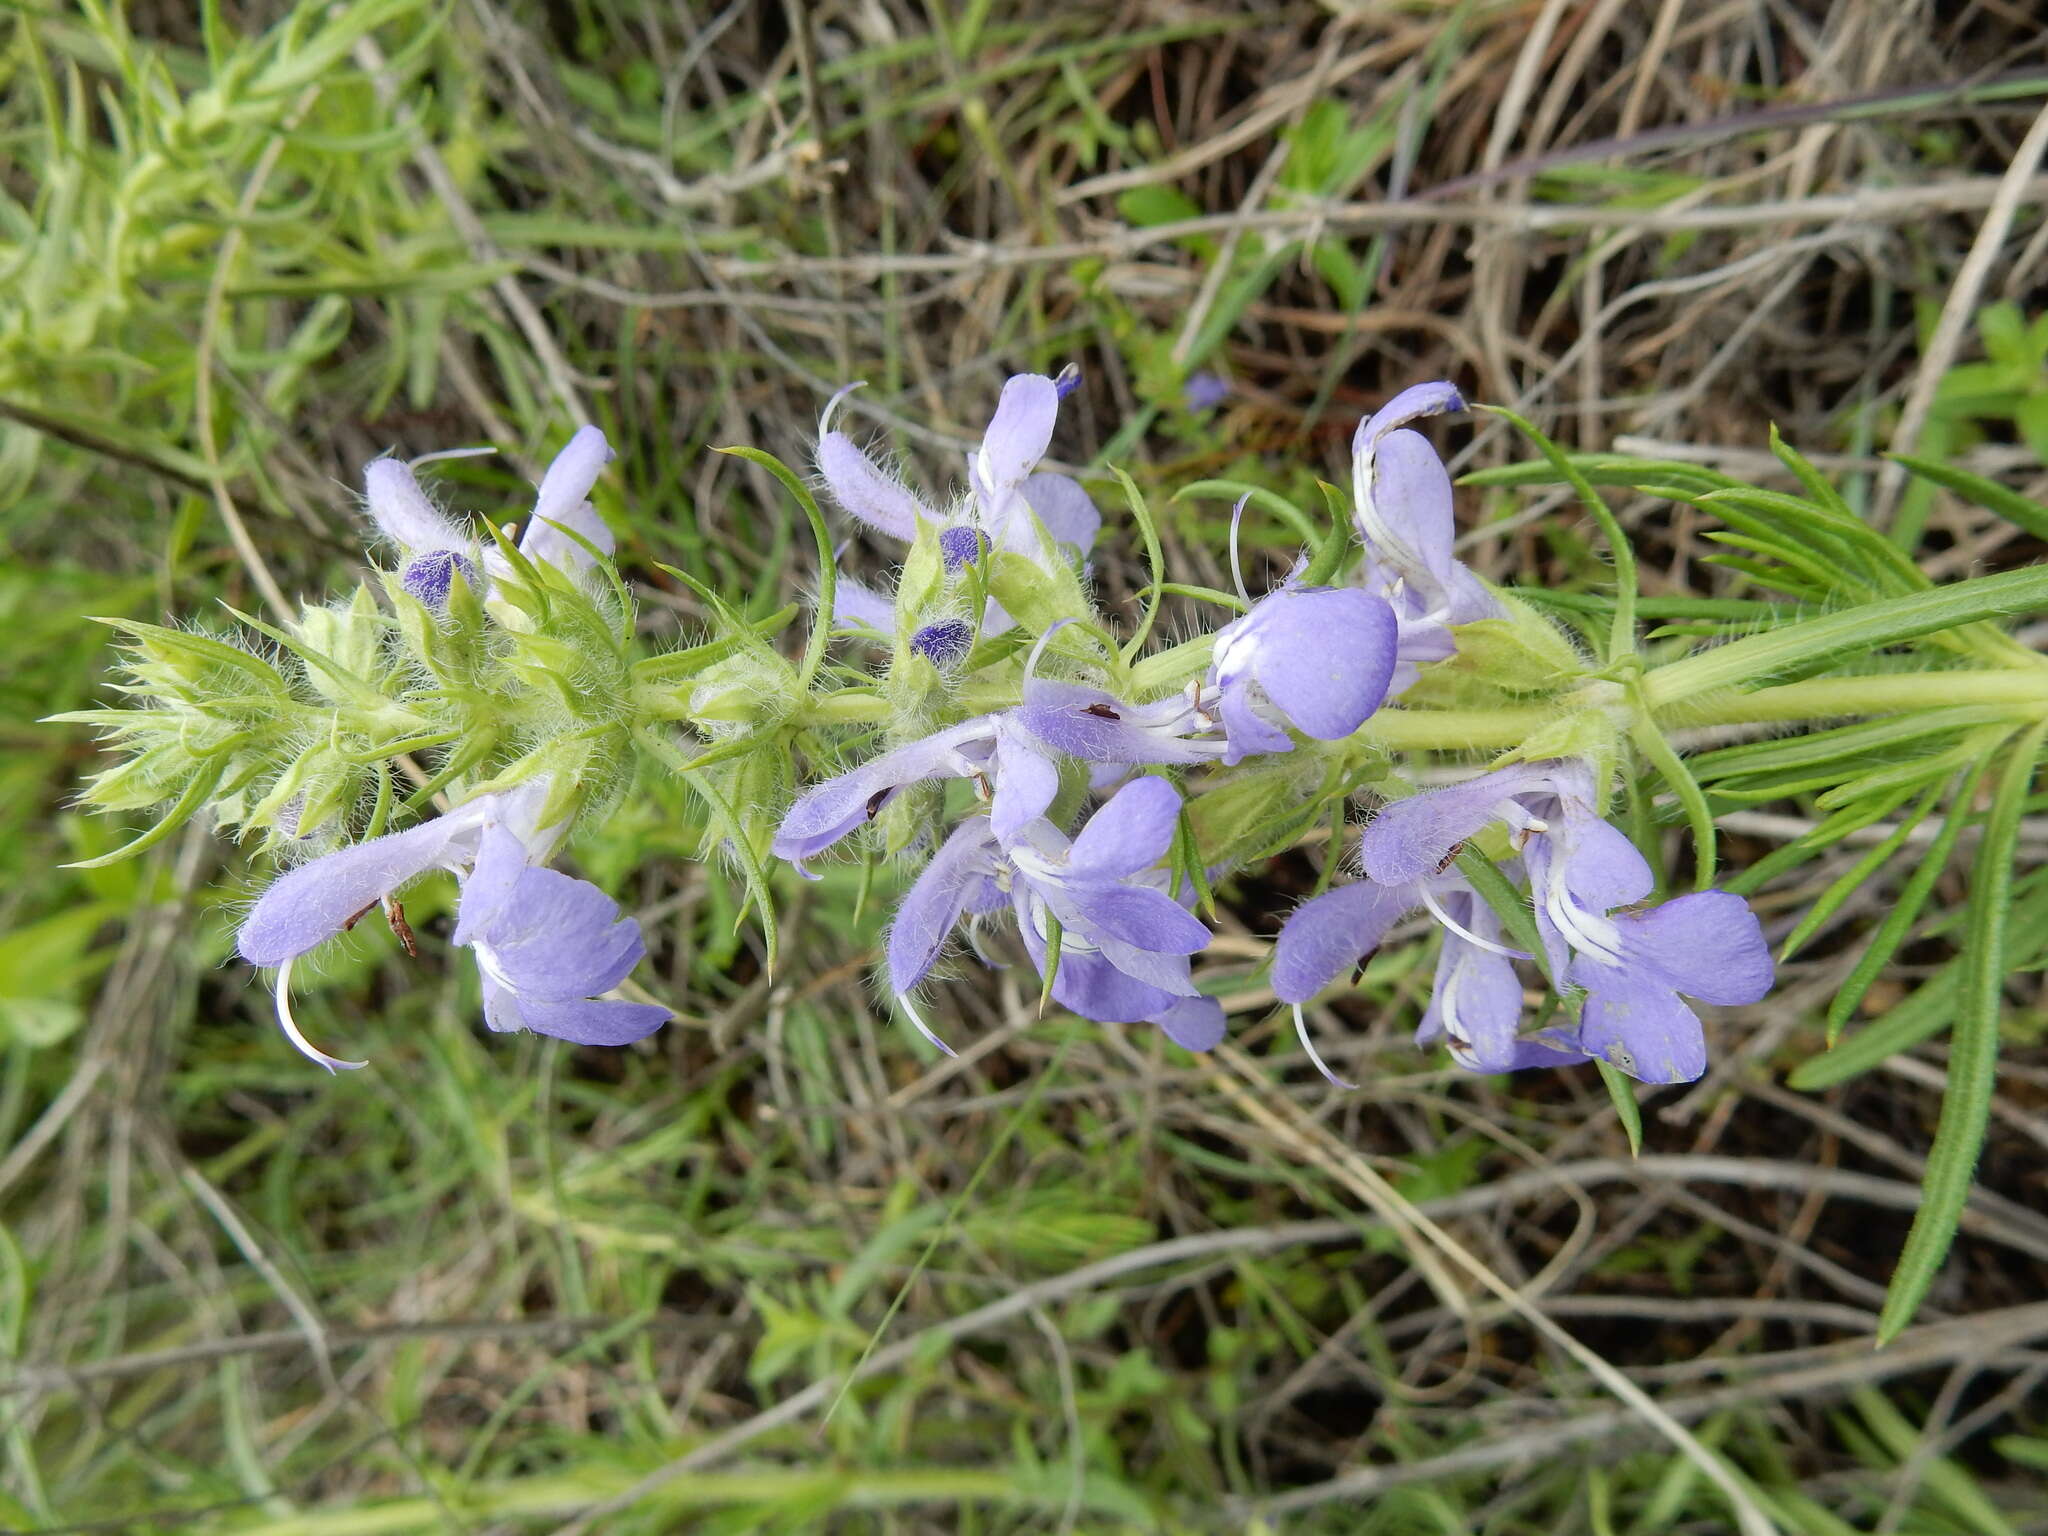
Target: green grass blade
[1973,1053]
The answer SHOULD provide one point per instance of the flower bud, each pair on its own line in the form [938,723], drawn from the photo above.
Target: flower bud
[428,577]
[944,644]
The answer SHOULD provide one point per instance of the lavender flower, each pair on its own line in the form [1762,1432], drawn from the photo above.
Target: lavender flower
[562,513]
[1203,392]
[1317,658]
[1098,727]
[1005,491]
[1124,942]
[436,546]
[1019,777]
[1633,966]
[1012,756]
[546,944]
[1401,497]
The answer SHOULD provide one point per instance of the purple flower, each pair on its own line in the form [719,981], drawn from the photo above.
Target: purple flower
[561,506]
[1633,966]
[1317,658]
[545,943]
[403,514]
[1401,495]
[1477,1005]
[1124,941]
[1708,945]
[1005,491]
[435,545]
[1020,778]
[1098,727]
[1203,392]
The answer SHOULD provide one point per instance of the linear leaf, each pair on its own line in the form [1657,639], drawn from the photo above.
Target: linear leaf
[1973,1049]
[1865,627]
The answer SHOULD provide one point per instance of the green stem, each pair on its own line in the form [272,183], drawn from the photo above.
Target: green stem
[1480,730]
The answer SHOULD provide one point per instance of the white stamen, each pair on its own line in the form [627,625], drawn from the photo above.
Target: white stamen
[825,416]
[452,453]
[922,1027]
[1436,911]
[1301,1034]
[1031,661]
[1590,934]
[1236,571]
[291,1027]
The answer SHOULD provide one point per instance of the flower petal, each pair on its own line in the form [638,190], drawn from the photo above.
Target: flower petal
[1098,727]
[1325,657]
[314,902]
[582,1021]
[1087,984]
[1708,945]
[854,602]
[566,484]
[1408,518]
[561,503]
[1476,1001]
[557,938]
[500,860]
[1325,937]
[1136,915]
[1026,780]
[826,812]
[1068,512]
[933,904]
[1634,1020]
[865,491]
[1017,435]
[1246,732]
[1410,839]
[1130,832]
[403,514]
[1411,404]
[1193,1023]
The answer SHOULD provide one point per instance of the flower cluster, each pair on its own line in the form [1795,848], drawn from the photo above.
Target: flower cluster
[546,945]
[986,718]
[1102,899]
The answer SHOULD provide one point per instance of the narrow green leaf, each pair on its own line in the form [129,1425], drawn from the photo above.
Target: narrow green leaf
[195,796]
[1973,1048]
[828,569]
[1623,1092]
[1621,640]
[1853,880]
[1155,563]
[1903,913]
[1863,628]
[1671,768]
[2007,503]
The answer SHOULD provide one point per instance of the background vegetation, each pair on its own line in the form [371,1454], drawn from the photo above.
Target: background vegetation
[777,1270]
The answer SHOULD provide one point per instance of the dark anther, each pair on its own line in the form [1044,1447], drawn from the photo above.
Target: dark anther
[1101,712]
[875,803]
